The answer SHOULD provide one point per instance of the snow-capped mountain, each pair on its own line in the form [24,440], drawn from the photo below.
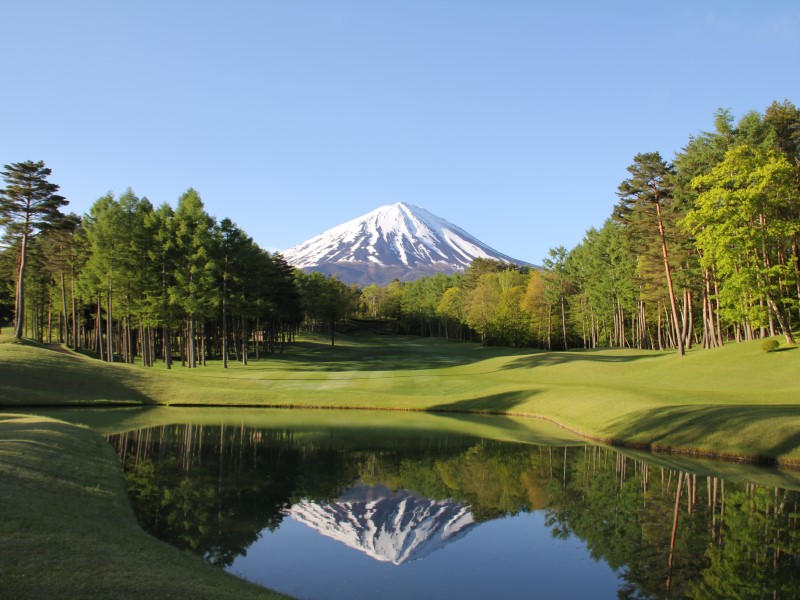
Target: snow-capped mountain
[388,526]
[394,241]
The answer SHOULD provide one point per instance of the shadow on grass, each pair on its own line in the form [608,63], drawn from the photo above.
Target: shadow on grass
[57,378]
[505,402]
[785,349]
[478,415]
[690,426]
[379,354]
[549,359]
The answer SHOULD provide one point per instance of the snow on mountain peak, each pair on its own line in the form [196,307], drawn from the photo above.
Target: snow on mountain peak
[396,240]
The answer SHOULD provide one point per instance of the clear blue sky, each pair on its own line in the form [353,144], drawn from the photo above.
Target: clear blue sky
[512,119]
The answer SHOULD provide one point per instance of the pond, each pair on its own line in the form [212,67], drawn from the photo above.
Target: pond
[334,505]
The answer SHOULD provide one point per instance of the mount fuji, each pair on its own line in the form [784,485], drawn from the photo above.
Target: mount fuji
[394,241]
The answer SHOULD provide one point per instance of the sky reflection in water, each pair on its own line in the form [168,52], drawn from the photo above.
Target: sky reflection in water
[453,515]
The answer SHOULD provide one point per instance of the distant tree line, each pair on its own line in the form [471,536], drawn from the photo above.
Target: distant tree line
[696,251]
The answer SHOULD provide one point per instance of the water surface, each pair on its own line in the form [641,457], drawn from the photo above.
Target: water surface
[396,506]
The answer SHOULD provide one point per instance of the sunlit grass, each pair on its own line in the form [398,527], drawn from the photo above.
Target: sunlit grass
[736,401]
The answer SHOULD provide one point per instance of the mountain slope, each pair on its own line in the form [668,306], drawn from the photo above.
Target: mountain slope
[394,241]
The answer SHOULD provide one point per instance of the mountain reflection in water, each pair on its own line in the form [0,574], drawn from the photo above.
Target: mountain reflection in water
[217,490]
[388,526]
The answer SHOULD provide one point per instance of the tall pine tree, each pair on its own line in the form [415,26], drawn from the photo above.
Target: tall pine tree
[28,204]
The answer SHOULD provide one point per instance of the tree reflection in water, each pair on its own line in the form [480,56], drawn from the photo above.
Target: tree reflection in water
[212,490]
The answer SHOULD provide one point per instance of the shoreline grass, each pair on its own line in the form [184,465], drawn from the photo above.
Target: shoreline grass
[68,530]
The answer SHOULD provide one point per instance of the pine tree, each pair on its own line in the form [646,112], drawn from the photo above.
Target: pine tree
[28,204]
[648,188]
[195,291]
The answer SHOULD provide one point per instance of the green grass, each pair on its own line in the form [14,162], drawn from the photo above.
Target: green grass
[736,401]
[68,530]
[62,490]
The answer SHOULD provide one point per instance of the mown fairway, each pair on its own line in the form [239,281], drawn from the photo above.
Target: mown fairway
[737,401]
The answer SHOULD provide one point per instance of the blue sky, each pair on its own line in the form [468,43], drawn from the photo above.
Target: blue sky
[512,119]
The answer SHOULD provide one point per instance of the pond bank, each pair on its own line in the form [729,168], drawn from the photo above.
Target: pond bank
[735,403]
[68,530]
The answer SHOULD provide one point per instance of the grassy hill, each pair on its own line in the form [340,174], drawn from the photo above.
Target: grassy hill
[736,401]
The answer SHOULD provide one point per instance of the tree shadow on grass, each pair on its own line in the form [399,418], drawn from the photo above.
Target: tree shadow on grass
[549,359]
[379,355]
[494,416]
[691,426]
[57,378]
[505,402]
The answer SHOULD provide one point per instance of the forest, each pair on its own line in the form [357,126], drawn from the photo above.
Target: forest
[697,251]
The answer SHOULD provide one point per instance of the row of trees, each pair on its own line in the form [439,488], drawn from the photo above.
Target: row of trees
[697,251]
[129,279]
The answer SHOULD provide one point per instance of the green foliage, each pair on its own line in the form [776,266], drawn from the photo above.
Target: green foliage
[28,205]
[325,300]
[29,202]
[195,290]
[743,222]
[770,345]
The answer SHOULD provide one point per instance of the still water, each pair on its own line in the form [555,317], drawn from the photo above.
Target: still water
[336,511]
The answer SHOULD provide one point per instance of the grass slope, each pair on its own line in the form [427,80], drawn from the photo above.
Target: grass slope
[737,401]
[68,530]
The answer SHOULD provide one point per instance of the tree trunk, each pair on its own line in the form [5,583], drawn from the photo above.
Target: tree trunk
[49,321]
[75,340]
[688,320]
[224,323]
[99,328]
[717,311]
[667,270]
[674,536]
[245,342]
[776,311]
[19,299]
[109,327]
[190,343]
[168,347]
[64,329]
